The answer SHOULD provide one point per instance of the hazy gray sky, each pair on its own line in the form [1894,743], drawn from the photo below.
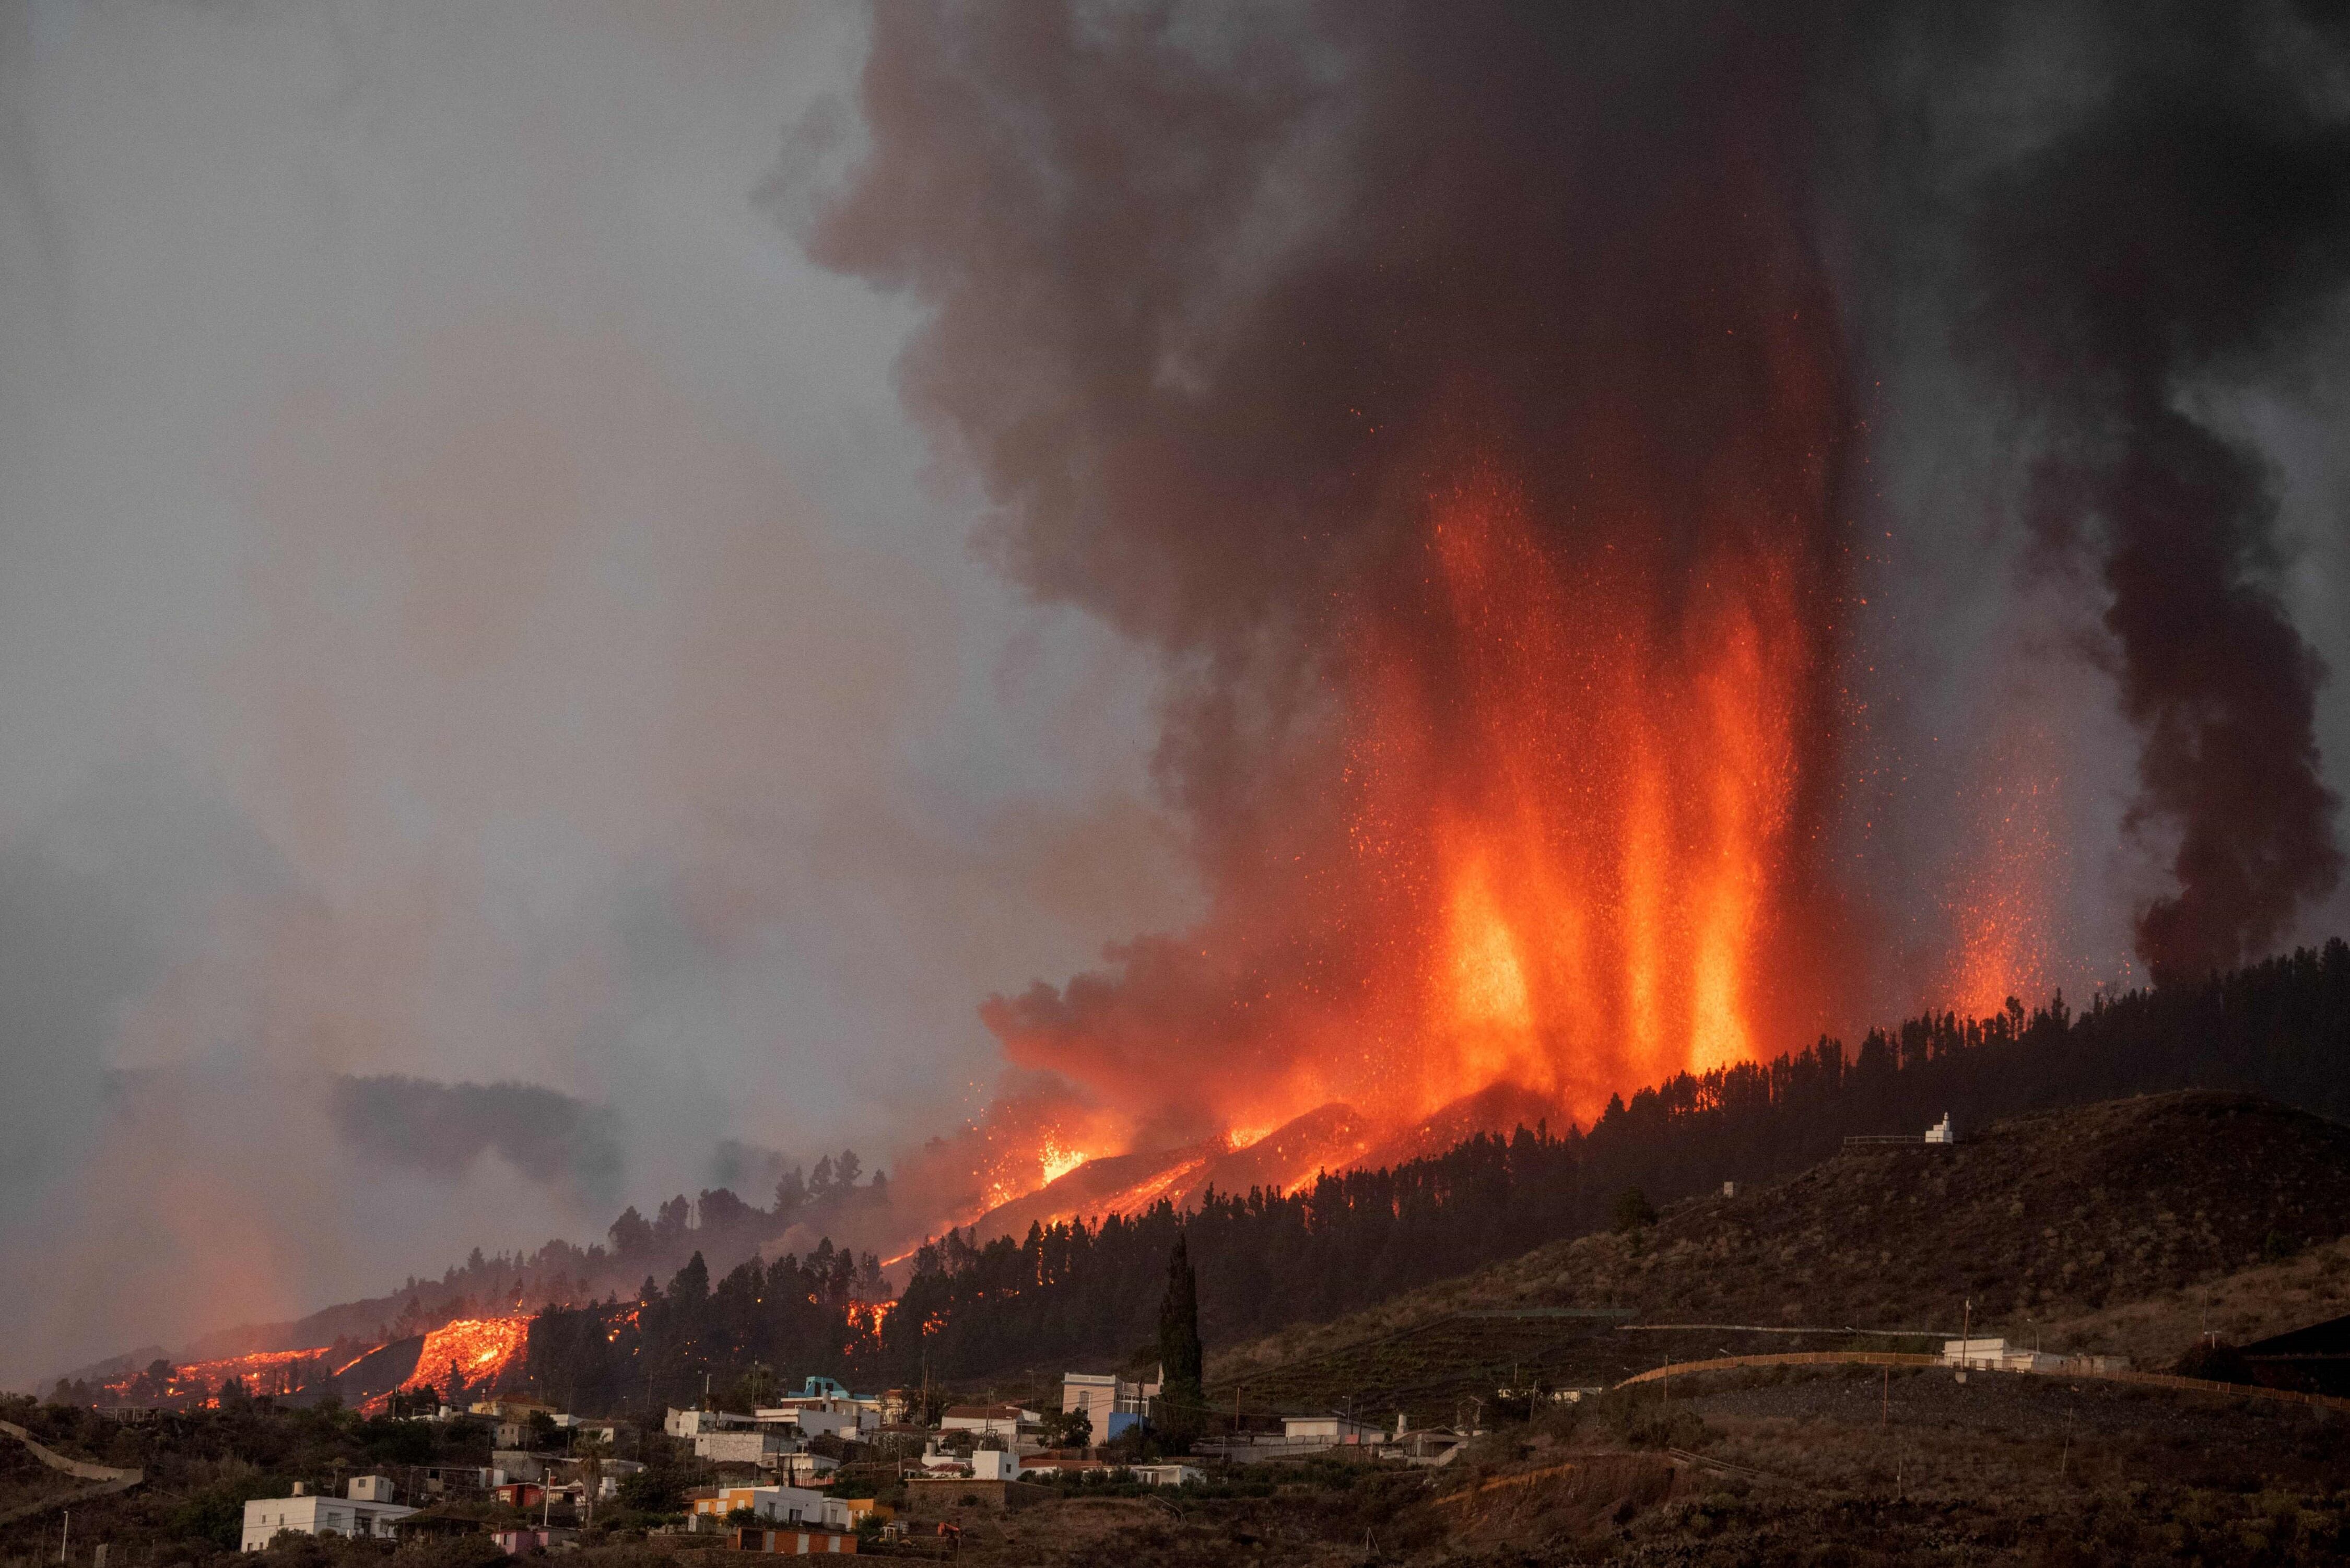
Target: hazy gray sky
[472,608]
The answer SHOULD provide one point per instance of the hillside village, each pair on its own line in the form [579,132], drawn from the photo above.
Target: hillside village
[2128,1315]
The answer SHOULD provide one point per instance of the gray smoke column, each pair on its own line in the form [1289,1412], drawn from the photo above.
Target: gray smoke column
[1455,396]
[548,1135]
[2179,237]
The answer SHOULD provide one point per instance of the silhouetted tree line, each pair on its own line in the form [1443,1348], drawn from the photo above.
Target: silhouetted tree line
[2280,1028]
[1091,1294]
[826,1194]
[719,1224]
[814,1315]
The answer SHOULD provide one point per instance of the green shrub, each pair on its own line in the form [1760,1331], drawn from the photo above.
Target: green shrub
[217,1513]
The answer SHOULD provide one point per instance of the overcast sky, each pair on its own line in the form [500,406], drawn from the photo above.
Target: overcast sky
[473,609]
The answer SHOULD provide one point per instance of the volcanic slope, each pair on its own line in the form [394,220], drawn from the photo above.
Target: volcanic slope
[2121,1227]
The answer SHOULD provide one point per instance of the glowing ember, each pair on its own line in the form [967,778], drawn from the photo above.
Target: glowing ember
[1058,1162]
[2003,911]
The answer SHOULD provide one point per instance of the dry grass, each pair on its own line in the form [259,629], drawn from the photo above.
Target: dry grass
[1834,1467]
[2122,1228]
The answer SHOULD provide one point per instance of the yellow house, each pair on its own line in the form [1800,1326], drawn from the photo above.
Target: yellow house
[785,1505]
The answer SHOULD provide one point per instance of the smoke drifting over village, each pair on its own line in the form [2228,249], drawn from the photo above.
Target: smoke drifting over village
[602,599]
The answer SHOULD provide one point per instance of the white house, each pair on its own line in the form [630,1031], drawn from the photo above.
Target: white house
[1998,1356]
[1333,1429]
[994,1464]
[988,1420]
[367,1510]
[1941,1131]
[1168,1474]
[775,1505]
[694,1423]
[823,1416]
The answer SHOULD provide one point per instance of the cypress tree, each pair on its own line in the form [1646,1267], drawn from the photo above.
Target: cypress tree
[1182,1397]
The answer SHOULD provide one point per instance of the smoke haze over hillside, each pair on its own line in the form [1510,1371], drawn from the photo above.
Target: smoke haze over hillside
[476,615]
[594,590]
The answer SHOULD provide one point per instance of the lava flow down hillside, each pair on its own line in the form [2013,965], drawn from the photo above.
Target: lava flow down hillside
[1466,403]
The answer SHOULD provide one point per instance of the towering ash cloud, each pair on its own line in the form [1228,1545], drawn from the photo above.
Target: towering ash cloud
[1455,396]
[1465,399]
[2177,239]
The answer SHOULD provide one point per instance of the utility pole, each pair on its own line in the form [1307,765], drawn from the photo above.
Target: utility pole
[66,1538]
[1885,1415]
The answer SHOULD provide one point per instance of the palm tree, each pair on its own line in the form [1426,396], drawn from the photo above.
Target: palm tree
[590,1449]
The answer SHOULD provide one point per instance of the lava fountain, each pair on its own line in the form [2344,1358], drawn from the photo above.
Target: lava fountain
[1459,405]
[1587,848]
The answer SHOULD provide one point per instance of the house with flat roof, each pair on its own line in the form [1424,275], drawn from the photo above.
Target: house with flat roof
[1330,1427]
[367,1511]
[1110,1402]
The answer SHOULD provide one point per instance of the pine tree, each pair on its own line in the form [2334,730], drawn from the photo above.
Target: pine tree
[1181,1399]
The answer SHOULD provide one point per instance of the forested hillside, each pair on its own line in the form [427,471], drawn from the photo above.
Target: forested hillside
[1089,1294]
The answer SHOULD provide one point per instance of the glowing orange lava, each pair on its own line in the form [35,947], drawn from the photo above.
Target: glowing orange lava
[264,1372]
[481,1351]
[1596,809]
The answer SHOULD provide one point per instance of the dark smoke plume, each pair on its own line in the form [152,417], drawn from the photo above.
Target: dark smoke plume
[1224,300]
[2179,237]
[443,1127]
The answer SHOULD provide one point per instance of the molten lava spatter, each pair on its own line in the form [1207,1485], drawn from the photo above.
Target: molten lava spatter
[2002,910]
[1580,796]
[1581,813]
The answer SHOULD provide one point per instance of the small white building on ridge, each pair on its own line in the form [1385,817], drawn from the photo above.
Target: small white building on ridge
[1998,1356]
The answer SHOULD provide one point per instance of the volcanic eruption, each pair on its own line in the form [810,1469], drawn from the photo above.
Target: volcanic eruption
[1469,405]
